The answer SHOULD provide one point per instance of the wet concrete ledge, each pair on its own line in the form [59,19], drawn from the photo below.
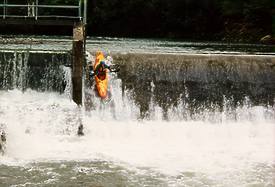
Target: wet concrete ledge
[198,79]
[201,80]
[202,68]
[206,68]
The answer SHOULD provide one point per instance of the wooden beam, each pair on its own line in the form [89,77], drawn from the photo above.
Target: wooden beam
[78,60]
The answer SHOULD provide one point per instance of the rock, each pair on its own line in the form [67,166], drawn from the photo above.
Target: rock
[2,141]
[268,39]
[3,136]
[80,130]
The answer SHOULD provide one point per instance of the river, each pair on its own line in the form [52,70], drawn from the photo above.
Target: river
[154,132]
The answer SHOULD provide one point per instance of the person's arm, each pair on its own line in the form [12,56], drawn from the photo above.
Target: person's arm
[103,63]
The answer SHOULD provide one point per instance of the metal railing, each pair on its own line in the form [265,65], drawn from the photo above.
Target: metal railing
[33,9]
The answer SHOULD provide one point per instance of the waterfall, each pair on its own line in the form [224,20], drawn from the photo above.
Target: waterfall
[33,69]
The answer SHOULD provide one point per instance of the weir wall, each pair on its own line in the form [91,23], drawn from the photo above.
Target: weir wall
[197,79]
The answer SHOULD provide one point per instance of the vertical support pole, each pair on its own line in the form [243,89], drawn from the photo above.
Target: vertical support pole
[29,8]
[85,24]
[78,59]
[273,19]
[36,9]
[85,12]
[79,10]
[33,8]
[4,9]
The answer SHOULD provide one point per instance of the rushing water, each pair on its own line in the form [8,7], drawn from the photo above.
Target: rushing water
[43,148]
[128,45]
[217,145]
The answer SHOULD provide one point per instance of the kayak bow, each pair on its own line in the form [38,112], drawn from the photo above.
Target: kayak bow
[101,79]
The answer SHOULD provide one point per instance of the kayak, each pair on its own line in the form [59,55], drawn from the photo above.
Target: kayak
[102,79]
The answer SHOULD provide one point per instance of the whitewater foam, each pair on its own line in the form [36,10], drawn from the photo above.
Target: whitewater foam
[42,127]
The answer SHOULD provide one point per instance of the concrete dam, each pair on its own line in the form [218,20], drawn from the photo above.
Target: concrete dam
[201,81]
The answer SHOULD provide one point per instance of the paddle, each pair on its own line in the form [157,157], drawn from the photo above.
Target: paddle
[114,68]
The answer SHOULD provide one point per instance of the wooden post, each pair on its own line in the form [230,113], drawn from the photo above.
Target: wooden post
[78,59]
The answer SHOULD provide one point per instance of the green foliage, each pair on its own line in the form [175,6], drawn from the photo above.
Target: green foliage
[232,20]
[246,20]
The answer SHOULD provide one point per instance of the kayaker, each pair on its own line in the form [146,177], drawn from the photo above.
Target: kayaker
[101,68]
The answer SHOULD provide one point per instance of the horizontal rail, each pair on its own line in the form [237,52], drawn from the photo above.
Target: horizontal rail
[40,6]
[34,50]
[34,9]
[50,16]
[57,16]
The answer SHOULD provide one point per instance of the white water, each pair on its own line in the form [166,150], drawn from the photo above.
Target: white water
[41,127]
